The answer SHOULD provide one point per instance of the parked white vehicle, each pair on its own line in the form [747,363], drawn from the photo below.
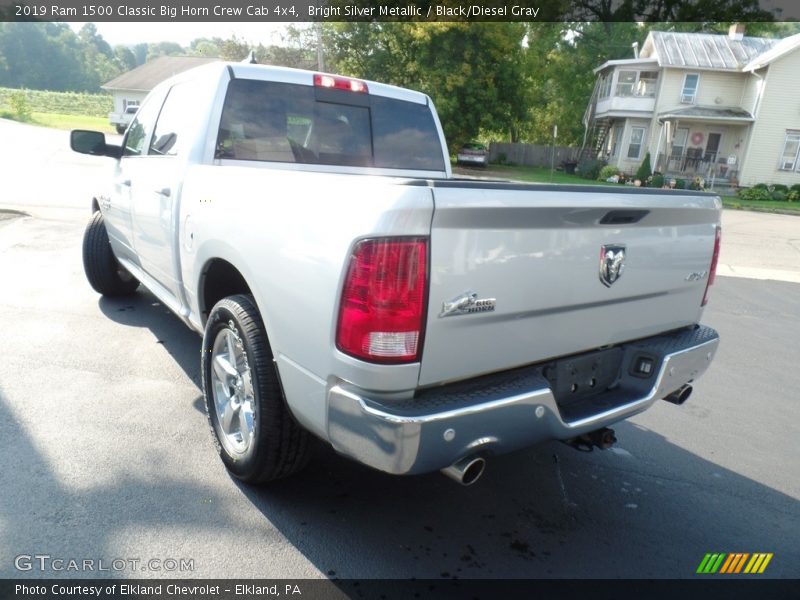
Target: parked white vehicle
[120,121]
[348,288]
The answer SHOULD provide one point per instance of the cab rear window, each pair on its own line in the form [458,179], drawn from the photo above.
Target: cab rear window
[283,122]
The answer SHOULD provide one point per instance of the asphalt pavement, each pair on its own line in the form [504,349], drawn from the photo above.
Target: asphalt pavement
[107,454]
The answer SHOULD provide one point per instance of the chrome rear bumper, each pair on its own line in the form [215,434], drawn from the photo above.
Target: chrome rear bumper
[506,411]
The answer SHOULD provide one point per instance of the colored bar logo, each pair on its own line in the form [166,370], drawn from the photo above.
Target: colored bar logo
[734,563]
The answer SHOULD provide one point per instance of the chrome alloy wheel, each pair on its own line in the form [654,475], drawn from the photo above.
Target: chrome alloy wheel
[232,389]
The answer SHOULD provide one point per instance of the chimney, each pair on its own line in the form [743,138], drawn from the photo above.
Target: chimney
[736,31]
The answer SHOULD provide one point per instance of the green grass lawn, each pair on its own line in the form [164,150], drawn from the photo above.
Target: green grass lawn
[59,121]
[772,206]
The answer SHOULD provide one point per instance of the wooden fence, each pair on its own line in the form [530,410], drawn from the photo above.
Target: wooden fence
[531,155]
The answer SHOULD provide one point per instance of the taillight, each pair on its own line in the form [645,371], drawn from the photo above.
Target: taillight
[381,317]
[712,273]
[340,83]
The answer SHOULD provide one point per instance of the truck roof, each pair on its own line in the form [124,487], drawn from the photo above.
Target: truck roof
[299,76]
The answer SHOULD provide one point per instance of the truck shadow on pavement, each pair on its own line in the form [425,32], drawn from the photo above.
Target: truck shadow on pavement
[549,511]
[647,508]
[142,309]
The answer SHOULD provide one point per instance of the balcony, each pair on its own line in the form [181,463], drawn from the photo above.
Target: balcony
[625,104]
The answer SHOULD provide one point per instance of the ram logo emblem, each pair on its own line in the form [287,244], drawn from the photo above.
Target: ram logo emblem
[612,263]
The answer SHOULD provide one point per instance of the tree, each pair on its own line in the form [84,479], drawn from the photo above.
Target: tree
[667,11]
[164,49]
[125,58]
[473,71]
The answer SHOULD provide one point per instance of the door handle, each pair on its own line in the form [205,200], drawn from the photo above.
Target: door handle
[164,192]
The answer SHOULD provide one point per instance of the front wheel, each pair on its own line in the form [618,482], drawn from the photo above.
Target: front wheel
[255,434]
[105,274]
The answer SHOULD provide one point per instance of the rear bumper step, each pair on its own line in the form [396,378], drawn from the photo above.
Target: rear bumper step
[507,411]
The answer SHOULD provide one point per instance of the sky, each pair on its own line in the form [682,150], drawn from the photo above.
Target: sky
[267,33]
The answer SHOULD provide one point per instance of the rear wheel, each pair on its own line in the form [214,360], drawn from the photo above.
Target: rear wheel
[255,434]
[105,274]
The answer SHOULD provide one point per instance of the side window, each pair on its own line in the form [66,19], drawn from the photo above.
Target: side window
[689,91]
[141,128]
[791,149]
[636,142]
[175,121]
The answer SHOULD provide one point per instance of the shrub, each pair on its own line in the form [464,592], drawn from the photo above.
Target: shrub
[795,188]
[793,195]
[779,187]
[779,195]
[589,168]
[657,181]
[754,193]
[19,105]
[680,184]
[760,186]
[607,171]
[645,170]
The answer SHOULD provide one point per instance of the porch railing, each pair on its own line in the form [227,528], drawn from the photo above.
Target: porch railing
[696,162]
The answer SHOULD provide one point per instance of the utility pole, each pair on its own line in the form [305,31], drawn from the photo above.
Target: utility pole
[320,52]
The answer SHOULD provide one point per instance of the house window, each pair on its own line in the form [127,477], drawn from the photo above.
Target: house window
[616,140]
[646,86]
[635,83]
[791,146]
[127,103]
[636,142]
[689,91]
[626,80]
[605,86]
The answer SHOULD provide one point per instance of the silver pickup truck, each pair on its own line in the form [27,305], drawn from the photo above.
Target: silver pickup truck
[348,287]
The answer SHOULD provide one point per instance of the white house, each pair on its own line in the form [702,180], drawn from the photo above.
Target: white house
[717,106]
[130,88]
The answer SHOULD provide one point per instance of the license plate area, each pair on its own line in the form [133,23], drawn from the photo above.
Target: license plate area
[576,378]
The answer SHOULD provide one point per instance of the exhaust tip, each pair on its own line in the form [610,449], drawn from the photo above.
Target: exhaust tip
[467,470]
[679,396]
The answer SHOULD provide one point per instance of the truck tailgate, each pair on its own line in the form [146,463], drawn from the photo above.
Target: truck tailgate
[536,252]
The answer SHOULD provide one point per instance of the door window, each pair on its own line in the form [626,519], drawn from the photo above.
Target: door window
[141,128]
[176,119]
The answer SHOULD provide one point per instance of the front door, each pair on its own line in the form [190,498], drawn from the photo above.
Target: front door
[118,210]
[712,147]
[157,186]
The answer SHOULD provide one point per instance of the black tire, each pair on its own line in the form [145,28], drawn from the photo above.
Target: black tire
[105,274]
[278,446]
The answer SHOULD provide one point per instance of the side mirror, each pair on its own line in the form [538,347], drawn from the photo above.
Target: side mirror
[92,142]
